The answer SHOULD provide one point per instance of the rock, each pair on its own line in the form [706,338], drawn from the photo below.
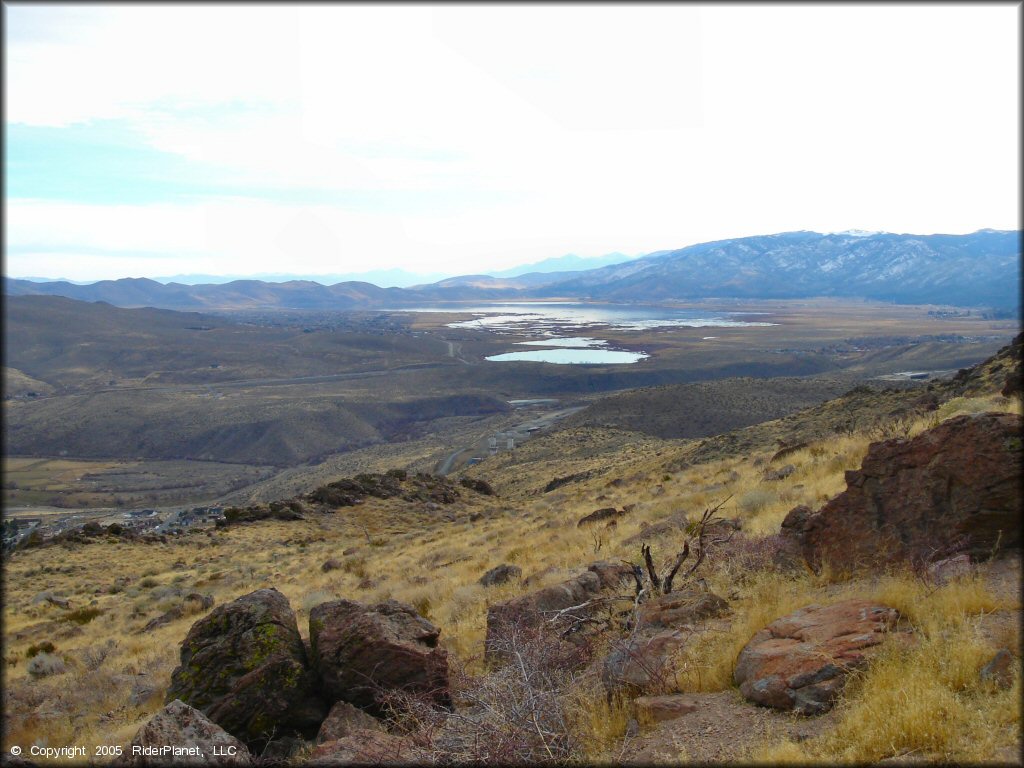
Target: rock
[142,691]
[166,618]
[480,486]
[655,709]
[343,720]
[179,725]
[999,671]
[362,652]
[331,565]
[795,521]
[779,474]
[245,667]
[612,575]
[501,574]
[954,487]
[787,450]
[205,601]
[598,515]
[530,611]
[943,571]
[679,608]
[800,661]
[369,747]
[52,599]
[643,664]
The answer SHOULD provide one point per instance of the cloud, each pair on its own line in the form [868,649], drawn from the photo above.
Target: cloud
[446,137]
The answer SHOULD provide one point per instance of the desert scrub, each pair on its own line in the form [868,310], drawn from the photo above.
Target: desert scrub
[46,664]
[82,615]
[755,500]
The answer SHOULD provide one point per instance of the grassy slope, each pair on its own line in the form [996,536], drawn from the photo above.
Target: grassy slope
[433,558]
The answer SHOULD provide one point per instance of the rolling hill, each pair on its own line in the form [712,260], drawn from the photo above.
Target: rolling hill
[979,269]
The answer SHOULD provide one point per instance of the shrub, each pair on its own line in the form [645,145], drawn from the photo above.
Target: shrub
[44,647]
[46,664]
[82,615]
[753,501]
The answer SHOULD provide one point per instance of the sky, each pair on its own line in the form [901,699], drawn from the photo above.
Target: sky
[147,140]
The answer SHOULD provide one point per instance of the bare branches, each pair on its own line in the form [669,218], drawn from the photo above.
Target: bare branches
[701,540]
[676,565]
[645,550]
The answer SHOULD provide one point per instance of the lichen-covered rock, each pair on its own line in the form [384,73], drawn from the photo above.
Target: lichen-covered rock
[201,741]
[245,667]
[955,487]
[361,652]
[800,662]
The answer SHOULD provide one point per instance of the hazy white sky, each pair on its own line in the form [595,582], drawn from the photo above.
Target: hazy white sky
[148,140]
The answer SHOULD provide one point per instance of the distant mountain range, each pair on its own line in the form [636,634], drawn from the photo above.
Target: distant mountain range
[385,278]
[979,269]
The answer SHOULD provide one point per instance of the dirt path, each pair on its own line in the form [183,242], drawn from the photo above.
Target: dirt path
[724,728]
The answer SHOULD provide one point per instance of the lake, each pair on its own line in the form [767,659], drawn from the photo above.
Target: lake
[552,321]
[571,356]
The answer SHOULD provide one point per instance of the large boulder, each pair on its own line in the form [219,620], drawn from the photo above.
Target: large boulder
[245,667]
[369,747]
[343,720]
[955,487]
[198,740]
[362,652]
[681,608]
[644,663]
[528,612]
[500,574]
[800,662]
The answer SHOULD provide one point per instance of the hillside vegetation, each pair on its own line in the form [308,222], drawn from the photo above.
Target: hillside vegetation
[108,655]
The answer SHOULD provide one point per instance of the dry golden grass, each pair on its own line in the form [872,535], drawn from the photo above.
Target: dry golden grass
[434,564]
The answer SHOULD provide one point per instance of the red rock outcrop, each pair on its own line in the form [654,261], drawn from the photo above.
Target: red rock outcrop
[955,487]
[361,652]
[800,661]
[529,611]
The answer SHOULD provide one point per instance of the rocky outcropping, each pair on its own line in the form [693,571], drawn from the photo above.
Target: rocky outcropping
[686,606]
[597,515]
[361,652]
[953,488]
[500,574]
[529,611]
[199,741]
[800,662]
[244,666]
[645,663]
